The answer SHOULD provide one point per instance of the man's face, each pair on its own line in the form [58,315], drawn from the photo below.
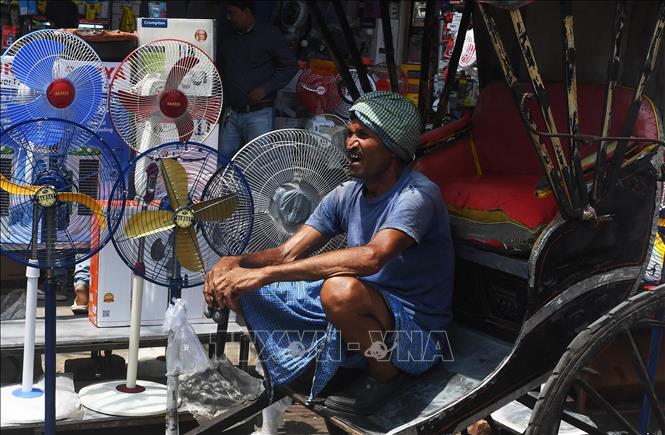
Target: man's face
[368,156]
[240,19]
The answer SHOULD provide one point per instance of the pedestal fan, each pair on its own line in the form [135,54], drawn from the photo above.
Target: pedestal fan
[48,223]
[48,73]
[289,171]
[318,93]
[171,209]
[55,74]
[163,91]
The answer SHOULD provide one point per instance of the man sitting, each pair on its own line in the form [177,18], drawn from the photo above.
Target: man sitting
[384,296]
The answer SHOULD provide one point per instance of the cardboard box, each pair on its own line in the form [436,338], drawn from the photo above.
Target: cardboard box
[111,289]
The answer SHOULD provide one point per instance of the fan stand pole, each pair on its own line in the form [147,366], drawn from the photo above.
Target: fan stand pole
[27,390]
[32,280]
[49,325]
[134,333]
[172,402]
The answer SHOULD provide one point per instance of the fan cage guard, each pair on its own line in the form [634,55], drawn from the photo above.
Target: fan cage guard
[205,180]
[318,93]
[78,235]
[143,74]
[289,169]
[37,60]
[342,109]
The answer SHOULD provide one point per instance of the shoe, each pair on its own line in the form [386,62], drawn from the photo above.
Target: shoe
[79,309]
[365,395]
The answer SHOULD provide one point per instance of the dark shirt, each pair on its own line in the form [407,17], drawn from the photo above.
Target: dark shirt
[259,57]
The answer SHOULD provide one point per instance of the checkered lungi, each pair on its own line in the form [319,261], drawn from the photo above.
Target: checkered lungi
[290,330]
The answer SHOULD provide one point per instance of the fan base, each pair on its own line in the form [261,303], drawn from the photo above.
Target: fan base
[106,398]
[21,409]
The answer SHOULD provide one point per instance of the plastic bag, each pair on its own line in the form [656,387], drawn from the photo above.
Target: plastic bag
[184,353]
[208,394]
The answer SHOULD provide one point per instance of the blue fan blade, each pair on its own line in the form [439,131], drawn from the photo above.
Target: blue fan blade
[87,81]
[33,63]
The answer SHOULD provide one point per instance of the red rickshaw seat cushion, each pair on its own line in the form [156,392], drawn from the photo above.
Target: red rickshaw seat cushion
[488,178]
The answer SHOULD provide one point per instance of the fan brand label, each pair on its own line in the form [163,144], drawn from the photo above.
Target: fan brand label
[46,197]
[184,218]
[154,22]
[173,103]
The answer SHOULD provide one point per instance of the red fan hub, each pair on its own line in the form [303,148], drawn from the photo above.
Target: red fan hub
[60,93]
[173,103]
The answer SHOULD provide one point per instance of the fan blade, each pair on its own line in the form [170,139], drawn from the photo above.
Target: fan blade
[187,249]
[180,70]
[16,189]
[216,209]
[185,126]
[148,222]
[87,81]
[33,63]
[175,181]
[142,105]
[87,201]
[206,107]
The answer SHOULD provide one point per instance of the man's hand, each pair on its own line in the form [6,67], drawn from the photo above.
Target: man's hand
[256,95]
[223,266]
[236,282]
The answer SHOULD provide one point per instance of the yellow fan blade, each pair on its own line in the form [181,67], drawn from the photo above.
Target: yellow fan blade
[86,200]
[148,222]
[187,249]
[16,189]
[216,209]
[175,181]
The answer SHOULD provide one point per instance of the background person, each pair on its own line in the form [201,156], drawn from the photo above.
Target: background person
[255,63]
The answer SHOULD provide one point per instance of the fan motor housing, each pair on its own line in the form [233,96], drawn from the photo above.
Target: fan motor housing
[60,93]
[184,217]
[173,103]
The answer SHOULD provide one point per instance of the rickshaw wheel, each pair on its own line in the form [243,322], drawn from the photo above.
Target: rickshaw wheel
[574,384]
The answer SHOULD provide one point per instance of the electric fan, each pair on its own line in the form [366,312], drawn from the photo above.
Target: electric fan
[157,93]
[51,218]
[346,101]
[318,93]
[289,171]
[161,240]
[165,91]
[52,74]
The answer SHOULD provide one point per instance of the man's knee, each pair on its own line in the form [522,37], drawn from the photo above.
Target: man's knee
[343,294]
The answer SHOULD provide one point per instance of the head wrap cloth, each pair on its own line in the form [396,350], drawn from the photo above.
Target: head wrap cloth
[392,118]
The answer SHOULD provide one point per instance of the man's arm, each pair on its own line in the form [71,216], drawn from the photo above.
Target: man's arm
[358,261]
[305,241]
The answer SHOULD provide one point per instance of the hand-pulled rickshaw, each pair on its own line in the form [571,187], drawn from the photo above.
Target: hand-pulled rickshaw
[554,185]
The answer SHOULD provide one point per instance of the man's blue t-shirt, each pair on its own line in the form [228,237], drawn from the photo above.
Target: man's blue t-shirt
[422,275]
